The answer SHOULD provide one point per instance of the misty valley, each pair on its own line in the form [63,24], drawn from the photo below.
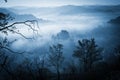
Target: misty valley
[67,42]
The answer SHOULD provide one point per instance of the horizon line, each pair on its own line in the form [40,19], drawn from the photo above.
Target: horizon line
[64,5]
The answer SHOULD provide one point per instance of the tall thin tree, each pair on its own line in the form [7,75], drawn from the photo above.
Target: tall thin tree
[56,58]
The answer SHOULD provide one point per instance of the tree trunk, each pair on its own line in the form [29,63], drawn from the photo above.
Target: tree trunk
[58,74]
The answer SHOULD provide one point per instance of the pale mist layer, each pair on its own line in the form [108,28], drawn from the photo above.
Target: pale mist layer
[77,24]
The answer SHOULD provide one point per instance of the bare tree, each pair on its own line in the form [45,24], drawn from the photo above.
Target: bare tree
[88,53]
[117,52]
[56,58]
[72,68]
[42,71]
[117,55]
[5,27]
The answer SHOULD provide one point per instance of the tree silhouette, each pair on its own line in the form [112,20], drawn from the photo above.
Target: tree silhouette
[56,58]
[42,71]
[88,53]
[117,56]
[71,70]
[117,52]
[5,27]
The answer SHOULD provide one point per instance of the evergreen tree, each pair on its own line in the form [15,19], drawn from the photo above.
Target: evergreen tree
[88,53]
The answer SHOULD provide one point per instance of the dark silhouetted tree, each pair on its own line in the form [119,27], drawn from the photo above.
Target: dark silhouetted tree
[117,56]
[88,53]
[71,70]
[42,71]
[71,67]
[117,52]
[56,58]
[5,27]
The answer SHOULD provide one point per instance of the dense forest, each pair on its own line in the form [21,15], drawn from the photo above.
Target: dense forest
[88,60]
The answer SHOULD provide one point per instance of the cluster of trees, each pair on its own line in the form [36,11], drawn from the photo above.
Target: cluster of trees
[92,65]
[52,67]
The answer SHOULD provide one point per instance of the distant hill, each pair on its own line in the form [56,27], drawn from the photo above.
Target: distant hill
[69,9]
[89,9]
[19,17]
[115,21]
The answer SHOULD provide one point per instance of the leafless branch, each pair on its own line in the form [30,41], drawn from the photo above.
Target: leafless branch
[25,23]
[10,50]
[28,23]
[19,33]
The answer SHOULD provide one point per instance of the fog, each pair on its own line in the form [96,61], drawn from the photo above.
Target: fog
[81,22]
[89,34]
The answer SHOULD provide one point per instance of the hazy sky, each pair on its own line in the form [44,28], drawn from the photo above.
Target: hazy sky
[42,3]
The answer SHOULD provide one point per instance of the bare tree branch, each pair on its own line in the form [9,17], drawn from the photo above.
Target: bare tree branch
[10,50]
[12,27]
[19,33]
[25,23]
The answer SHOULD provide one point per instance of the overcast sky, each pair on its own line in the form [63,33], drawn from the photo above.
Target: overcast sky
[43,3]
